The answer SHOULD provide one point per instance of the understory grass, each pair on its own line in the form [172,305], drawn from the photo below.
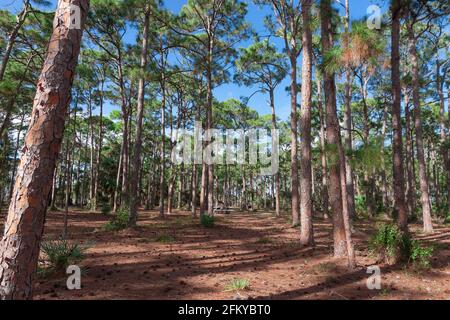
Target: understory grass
[207,221]
[119,221]
[59,254]
[391,245]
[165,238]
[264,240]
[237,284]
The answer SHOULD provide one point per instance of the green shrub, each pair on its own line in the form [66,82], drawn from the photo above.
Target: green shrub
[165,238]
[237,284]
[386,242]
[420,256]
[360,205]
[60,253]
[447,219]
[106,208]
[119,221]
[393,245]
[207,221]
[264,240]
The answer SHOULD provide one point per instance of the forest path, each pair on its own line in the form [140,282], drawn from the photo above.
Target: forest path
[176,258]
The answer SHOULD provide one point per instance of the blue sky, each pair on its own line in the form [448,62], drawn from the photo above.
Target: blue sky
[255,17]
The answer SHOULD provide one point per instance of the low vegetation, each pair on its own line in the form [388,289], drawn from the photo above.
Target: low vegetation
[59,254]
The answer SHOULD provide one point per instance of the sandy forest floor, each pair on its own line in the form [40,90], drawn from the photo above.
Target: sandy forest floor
[176,258]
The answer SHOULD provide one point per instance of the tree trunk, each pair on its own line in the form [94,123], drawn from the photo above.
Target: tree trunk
[294,162]
[53,201]
[125,133]
[333,138]
[307,233]
[424,182]
[209,122]
[368,175]
[323,156]
[398,176]
[67,191]
[194,190]
[91,154]
[118,179]
[99,149]
[163,143]
[277,175]
[383,162]
[345,211]
[139,116]
[348,127]
[410,185]
[443,137]
[19,249]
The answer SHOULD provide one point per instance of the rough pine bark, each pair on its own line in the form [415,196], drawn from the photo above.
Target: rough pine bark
[163,143]
[423,176]
[139,117]
[306,208]
[348,127]
[294,158]
[99,147]
[19,247]
[398,175]
[277,175]
[410,185]
[323,156]
[333,137]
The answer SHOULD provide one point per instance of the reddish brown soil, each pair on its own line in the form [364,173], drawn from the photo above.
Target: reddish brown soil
[198,262]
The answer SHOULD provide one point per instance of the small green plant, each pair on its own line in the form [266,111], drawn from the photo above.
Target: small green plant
[207,221]
[119,221]
[165,238]
[447,219]
[237,284]
[60,253]
[360,205]
[391,244]
[106,208]
[385,292]
[326,267]
[387,241]
[420,256]
[264,240]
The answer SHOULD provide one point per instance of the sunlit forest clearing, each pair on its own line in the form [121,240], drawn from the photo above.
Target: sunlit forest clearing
[176,258]
[224,149]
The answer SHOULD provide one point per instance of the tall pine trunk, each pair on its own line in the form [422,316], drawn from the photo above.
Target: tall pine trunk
[19,247]
[397,148]
[277,175]
[333,137]
[410,182]
[139,117]
[423,176]
[348,126]
[323,157]
[306,208]
[295,205]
